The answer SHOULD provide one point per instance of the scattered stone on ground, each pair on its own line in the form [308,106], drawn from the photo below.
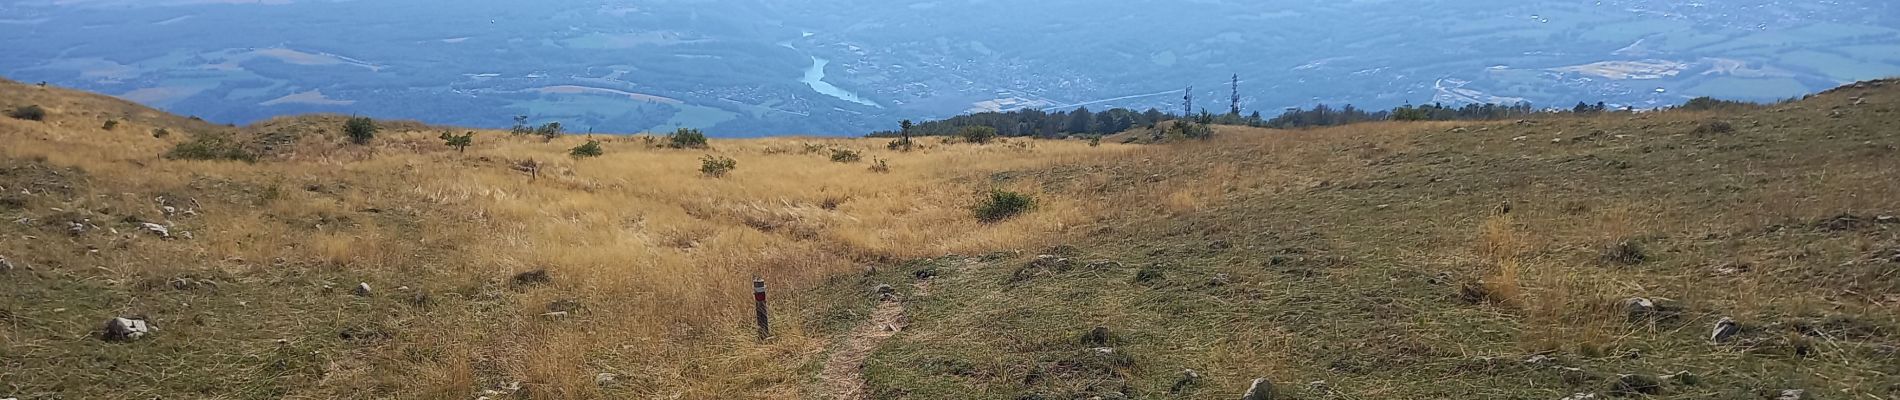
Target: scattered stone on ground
[5,265]
[1638,308]
[157,229]
[1581,396]
[1725,329]
[884,289]
[362,289]
[1261,389]
[124,329]
[1793,394]
[605,378]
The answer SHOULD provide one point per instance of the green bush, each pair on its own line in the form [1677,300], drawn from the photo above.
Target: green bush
[686,138]
[161,133]
[1003,204]
[549,131]
[30,113]
[716,166]
[978,134]
[899,144]
[845,156]
[1191,130]
[588,150]
[459,142]
[210,147]
[110,124]
[360,129]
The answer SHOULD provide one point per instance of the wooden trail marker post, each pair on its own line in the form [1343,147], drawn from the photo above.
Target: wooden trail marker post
[758,296]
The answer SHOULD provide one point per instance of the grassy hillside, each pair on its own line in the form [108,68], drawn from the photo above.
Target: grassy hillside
[1449,260]
[1374,261]
[252,292]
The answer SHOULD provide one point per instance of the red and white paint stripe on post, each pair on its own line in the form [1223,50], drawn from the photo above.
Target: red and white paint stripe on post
[758,296]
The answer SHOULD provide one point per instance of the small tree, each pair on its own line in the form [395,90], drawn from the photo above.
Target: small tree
[521,127]
[110,124]
[548,131]
[29,113]
[360,129]
[588,150]
[717,166]
[978,134]
[903,142]
[459,142]
[686,138]
[1095,141]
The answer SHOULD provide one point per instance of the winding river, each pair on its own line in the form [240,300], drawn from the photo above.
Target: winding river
[815,77]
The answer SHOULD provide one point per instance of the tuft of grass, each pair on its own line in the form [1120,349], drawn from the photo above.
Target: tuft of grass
[1501,279]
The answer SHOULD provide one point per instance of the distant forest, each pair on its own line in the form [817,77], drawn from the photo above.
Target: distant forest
[1083,122]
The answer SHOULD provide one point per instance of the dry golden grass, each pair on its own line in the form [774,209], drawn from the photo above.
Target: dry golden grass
[660,255]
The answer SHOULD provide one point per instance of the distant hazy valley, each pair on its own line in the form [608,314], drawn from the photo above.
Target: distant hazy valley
[744,68]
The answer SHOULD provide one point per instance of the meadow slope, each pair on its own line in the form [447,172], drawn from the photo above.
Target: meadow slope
[1373,261]
[1448,260]
[649,260]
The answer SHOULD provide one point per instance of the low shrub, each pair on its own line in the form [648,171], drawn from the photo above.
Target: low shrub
[459,142]
[879,166]
[29,113]
[977,134]
[686,138]
[588,150]
[360,129]
[717,166]
[845,156]
[110,124]
[900,144]
[1003,204]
